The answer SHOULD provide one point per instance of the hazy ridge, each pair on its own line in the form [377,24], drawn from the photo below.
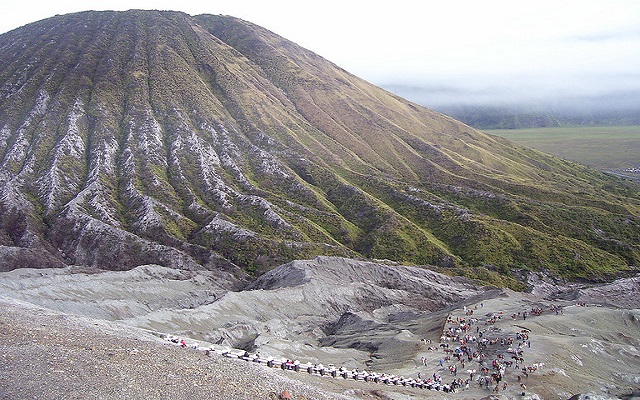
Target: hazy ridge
[500,109]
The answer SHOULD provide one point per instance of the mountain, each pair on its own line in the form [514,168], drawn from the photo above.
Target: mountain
[518,116]
[505,109]
[207,142]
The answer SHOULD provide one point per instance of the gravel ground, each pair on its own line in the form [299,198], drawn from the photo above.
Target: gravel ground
[48,354]
[55,356]
[51,355]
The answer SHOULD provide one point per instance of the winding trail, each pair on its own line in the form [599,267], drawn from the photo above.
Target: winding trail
[474,351]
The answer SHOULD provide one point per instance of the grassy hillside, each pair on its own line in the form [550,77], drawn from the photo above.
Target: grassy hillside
[144,137]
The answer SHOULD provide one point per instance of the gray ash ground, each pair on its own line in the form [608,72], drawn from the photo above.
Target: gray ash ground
[105,339]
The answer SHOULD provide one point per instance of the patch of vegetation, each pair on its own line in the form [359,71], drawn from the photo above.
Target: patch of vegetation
[601,147]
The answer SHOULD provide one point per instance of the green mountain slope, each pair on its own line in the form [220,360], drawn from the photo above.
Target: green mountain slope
[209,142]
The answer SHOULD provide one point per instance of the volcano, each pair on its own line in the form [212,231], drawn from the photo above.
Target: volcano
[209,143]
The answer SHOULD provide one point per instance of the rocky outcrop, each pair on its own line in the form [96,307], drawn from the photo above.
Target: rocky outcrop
[621,293]
[624,293]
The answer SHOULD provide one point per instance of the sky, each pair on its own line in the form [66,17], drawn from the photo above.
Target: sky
[478,49]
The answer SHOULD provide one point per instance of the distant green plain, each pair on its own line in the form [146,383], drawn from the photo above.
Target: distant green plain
[605,148]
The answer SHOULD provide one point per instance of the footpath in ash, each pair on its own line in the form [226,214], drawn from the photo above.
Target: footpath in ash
[484,350]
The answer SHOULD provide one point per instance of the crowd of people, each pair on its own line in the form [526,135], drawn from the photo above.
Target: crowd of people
[493,357]
[471,351]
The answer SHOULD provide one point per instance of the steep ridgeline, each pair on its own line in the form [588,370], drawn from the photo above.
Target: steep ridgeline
[141,137]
